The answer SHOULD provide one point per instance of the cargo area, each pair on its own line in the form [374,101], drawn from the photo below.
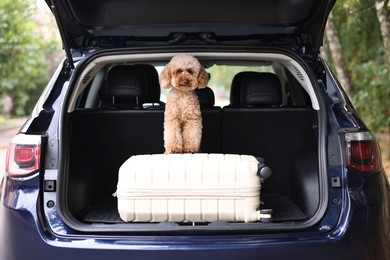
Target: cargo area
[102,136]
[291,153]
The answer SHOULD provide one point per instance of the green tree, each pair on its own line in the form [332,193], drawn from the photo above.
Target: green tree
[23,68]
[360,36]
[337,54]
[382,10]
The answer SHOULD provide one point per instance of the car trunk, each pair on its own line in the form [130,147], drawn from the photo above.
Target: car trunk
[100,140]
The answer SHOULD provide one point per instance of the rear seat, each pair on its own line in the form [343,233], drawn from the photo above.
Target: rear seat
[259,126]
[255,125]
[123,118]
[211,118]
[122,125]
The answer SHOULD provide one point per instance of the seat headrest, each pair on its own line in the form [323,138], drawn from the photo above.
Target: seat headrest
[123,83]
[152,85]
[261,89]
[236,86]
[134,84]
[206,97]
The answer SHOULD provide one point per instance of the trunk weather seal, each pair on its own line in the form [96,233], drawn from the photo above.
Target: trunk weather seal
[230,228]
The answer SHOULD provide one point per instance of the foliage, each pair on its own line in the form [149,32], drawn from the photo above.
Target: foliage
[359,32]
[358,29]
[23,68]
[372,97]
[222,76]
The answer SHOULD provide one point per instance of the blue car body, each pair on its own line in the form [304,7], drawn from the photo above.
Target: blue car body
[351,220]
[359,232]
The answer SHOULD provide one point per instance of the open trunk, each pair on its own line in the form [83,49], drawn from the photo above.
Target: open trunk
[101,138]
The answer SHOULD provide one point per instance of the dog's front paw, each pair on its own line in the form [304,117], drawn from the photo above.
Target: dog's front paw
[191,150]
[191,145]
[169,150]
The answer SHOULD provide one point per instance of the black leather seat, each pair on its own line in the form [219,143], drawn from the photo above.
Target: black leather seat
[123,126]
[258,126]
[206,97]
[256,89]
[236,86]
[260,90]
[131,86]
[211,120]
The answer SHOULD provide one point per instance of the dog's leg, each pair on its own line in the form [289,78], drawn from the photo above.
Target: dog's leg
[173,141]
[192,135]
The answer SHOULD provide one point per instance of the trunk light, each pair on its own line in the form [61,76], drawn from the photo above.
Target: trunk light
[23,155]
[362,152]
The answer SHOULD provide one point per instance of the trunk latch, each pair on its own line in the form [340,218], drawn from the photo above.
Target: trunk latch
[335,182]
[50,186]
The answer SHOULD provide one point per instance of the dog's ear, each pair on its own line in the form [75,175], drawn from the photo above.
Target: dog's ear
[166,77]
[203,78]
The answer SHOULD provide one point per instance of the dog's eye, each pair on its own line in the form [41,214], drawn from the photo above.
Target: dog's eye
[190,71]
[178,71]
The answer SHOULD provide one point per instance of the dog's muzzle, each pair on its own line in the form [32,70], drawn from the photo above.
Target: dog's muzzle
[185,82]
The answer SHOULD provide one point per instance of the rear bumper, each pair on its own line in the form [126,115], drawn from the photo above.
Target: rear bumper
[364,233]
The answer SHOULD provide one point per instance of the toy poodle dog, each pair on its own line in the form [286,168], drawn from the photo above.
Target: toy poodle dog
[182,117]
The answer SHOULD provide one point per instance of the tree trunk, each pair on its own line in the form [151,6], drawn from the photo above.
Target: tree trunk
[384,22]
[388,151]
[338,57]
[383,18]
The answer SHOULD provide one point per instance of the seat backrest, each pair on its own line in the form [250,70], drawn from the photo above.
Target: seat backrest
[131,86]
[120,134]
[258,125]
[211,121]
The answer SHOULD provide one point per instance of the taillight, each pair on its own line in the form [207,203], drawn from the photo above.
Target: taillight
[23,155]
[363,152]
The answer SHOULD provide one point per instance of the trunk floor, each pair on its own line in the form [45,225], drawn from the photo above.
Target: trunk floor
[284,209]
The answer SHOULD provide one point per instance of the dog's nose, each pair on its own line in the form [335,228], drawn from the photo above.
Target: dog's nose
[185,82]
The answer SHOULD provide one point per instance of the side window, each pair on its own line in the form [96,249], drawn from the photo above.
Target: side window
[222,77]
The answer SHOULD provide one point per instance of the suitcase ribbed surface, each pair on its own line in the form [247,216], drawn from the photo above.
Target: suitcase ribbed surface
[189,188]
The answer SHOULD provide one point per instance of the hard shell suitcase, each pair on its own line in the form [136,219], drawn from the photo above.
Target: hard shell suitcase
[189,188]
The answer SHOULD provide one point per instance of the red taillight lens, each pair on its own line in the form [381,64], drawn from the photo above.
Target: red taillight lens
[362,152]
[23,155]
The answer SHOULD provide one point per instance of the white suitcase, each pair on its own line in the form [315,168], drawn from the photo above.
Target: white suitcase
[189,188]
